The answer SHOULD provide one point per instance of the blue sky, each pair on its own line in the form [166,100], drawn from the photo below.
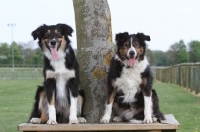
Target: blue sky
[166,21]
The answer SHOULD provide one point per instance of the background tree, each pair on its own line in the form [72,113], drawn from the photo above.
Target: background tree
[150,56]
[17,54]
[27,51]
[4,51]
[160,58]
[177,53]
[182,54]
[38,57]
[94,46]
[194,51]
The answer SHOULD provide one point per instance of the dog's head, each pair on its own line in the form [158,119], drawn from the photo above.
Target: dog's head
[53,40]
[131,47]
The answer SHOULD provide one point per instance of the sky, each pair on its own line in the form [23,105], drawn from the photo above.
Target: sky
[165,21]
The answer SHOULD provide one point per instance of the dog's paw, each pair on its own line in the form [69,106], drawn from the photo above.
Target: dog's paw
[117,119]
[69,74]
[57,74]
[35,121]
[154,119]
[51,122]
[50,74]
[104,120]
[81,119]
[73,121]
[148,120]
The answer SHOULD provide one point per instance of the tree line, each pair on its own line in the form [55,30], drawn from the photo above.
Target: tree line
[176,54]
[26,55]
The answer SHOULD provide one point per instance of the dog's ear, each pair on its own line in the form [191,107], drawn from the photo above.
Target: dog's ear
[66,29]
[143,37]
[38,32]
[121,36]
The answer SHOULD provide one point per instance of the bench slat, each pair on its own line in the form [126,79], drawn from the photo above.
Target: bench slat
[174,125]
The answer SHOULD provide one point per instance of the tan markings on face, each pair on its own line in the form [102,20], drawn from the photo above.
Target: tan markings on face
[48,32]
[62,42]
[44,45]
[58,33]
[135,44]
[123,50]
[45,39]
[140,50]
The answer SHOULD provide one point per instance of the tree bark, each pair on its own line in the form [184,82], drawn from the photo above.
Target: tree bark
[94,48]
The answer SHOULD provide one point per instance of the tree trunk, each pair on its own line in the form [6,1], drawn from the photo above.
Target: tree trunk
[94,47]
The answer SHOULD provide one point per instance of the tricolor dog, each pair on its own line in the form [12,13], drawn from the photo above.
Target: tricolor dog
[130,93]
[59,99]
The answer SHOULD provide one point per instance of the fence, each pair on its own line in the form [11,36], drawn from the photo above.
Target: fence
[22,74]
[186,75]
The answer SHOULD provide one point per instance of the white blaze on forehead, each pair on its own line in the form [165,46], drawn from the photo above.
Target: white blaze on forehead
[131,42]
[131,49]
[132,59]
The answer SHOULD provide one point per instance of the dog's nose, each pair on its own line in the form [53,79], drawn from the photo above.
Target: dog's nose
[53,42]
[132,53]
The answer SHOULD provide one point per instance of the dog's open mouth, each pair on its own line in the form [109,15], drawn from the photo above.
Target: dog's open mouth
[54,53]
[132,61]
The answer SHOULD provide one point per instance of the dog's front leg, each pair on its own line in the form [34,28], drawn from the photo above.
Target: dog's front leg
[73,110]
[52,111]
[109,103]
[148,109]
[146,88]
[73,86]
[108,111]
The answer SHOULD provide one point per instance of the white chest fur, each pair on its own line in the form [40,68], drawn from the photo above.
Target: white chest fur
[130,80]
[61,74]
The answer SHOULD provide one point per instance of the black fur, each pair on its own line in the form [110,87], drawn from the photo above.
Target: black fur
[131,46]
[46,36]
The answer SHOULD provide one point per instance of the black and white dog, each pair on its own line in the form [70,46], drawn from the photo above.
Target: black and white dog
[130,92]
[59,99]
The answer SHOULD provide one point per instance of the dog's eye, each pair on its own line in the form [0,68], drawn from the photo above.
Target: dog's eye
[59,34]
[126,44]
[135,44]
[46,34]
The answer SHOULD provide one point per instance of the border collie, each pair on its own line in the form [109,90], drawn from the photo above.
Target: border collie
[59,99]
[130,93]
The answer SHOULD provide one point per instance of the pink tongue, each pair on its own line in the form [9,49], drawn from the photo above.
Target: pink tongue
[131,61]
[54,53]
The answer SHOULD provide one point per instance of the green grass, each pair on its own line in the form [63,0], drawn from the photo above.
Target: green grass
[16,100]
[182,104]
[17,97]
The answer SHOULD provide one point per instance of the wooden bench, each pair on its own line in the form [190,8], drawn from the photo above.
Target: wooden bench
[169,125]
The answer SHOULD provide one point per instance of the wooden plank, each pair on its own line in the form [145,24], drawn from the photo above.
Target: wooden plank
[94,127]
[170,124]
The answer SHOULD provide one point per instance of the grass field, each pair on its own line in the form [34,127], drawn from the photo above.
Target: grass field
[182,104]
[16,100]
